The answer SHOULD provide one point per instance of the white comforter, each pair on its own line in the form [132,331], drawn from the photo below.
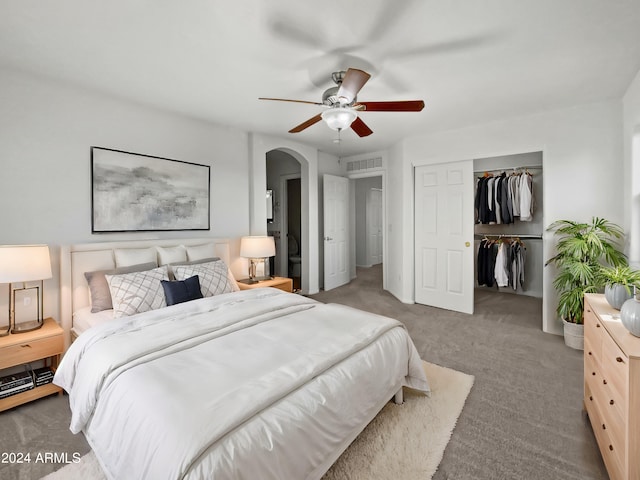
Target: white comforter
[253,384]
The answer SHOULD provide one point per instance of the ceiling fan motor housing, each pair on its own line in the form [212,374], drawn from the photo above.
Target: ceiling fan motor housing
[330,98]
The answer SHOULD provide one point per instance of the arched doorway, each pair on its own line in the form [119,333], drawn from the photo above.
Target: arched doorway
[307,158]
[285,226]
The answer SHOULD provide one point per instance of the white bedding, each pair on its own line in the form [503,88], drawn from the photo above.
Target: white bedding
[83,319]
[254,384]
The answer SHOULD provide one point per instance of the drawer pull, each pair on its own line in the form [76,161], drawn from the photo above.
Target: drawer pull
[588,310]
[604,381]
[26,345]
[591,398]
[619,359]
[593,373]
[611,447]
[597,325]
[590,353]
[611,402]
[604,427]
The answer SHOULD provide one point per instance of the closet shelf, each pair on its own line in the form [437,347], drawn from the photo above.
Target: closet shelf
[508,235]
[508,169]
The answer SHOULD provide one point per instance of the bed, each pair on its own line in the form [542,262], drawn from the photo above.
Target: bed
[240,385]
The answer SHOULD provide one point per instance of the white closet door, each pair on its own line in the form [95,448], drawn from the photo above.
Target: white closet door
[444,236]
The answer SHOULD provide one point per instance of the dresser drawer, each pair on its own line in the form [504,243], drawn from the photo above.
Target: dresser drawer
[30,351]
[591,361]
[607,431]
[593,332]
[615,366]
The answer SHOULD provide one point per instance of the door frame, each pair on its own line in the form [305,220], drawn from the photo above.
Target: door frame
[283,251]
[352,247]
[369,208]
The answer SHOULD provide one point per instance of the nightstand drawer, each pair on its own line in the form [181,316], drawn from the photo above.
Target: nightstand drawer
[30,351]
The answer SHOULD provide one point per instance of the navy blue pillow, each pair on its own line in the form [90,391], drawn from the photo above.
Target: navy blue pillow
[180,291]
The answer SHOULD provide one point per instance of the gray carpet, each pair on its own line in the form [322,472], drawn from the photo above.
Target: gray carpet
[522,420]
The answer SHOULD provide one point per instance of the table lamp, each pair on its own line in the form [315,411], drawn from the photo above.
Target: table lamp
[22,264]
[257,249]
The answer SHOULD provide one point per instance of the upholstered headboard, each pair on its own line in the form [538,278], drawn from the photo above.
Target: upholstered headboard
[75,260]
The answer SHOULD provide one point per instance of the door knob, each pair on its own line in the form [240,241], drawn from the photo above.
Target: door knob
[467,244]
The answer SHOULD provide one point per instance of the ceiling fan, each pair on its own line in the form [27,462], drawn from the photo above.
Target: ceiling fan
[343,105]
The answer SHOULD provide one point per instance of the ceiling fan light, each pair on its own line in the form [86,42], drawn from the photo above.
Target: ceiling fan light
[339,118]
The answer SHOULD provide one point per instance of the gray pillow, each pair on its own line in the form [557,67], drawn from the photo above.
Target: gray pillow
[99,288]
[192,262]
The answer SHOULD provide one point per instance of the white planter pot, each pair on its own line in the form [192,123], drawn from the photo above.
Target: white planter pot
[573,335]
[630,316]
[617,294]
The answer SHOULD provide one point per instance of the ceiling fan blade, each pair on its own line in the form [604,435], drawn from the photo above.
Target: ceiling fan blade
[307,124]
[288,100]
[361,128]
[351,84]
[394,106]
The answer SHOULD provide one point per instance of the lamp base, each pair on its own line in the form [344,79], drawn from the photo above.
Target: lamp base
[27,326]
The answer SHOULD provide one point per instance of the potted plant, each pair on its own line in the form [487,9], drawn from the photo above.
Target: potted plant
[618,283]
[583,249]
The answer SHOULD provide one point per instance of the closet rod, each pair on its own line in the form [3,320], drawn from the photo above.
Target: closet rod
[505,169]
[508,235]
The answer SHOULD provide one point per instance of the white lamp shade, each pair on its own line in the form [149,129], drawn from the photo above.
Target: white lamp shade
[339,118]
[257,247]
[24,263]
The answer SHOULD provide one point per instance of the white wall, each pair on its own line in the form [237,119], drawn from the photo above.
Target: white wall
[582,155]
[46,131]
[631,173]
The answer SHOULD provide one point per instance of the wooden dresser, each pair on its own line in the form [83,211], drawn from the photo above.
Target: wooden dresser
[612,387]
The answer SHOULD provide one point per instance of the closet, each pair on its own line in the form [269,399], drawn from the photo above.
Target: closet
[509,224]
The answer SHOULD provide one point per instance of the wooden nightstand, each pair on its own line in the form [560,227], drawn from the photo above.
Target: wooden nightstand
[282,283]
[16,349]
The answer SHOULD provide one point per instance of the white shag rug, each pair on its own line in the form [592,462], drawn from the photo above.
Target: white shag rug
[404,441]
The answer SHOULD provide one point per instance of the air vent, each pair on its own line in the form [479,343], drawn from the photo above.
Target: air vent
[365,164]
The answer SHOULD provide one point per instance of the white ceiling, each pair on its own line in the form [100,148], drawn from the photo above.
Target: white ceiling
[471,61]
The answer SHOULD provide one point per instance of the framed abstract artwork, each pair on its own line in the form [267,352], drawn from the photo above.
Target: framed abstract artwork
[132,192]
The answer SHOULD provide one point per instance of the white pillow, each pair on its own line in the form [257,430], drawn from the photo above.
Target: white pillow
[171,255]
[135,256]
[198,252]
[137,292]
[215,277]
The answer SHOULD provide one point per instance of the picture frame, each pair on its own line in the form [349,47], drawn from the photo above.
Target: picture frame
[133,192]
[269,206]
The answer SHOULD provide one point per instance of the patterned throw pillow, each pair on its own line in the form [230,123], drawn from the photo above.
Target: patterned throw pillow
[99,288]
[214,277]
[137,292]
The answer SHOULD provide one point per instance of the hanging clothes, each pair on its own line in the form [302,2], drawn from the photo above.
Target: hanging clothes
[487,252]
[501,262]
[505,198]
[500,269]
[526,198]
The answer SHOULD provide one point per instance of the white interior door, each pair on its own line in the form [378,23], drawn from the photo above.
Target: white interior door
[374,226]
[444,236]
[336,233]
